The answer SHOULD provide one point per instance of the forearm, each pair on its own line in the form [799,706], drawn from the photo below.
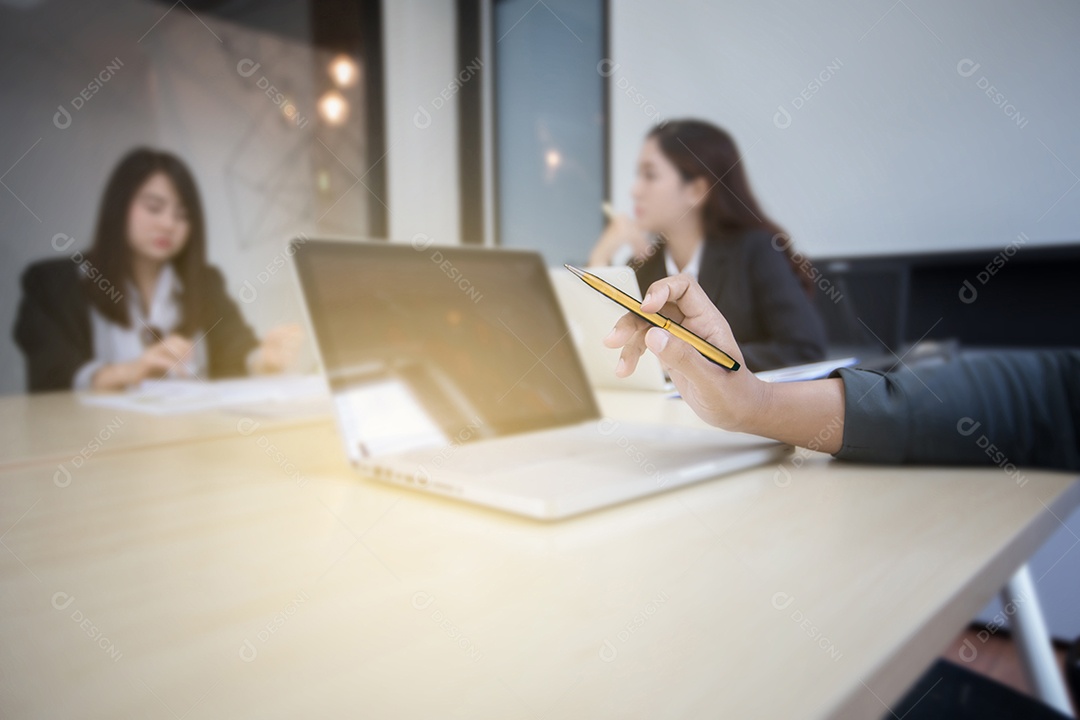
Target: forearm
[1007,409]
[806,414]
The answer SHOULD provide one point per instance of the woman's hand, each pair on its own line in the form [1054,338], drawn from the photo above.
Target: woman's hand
[171,355]
[621,230]
[279,350]
[719,396]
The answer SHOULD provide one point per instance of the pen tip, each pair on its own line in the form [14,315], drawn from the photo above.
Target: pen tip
[574,270]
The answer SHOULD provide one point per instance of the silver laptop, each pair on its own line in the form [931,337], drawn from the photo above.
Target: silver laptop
[591,317]
[452,372]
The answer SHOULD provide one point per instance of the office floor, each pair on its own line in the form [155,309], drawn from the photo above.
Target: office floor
[996,658]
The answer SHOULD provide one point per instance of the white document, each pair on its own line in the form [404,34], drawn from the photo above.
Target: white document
[810,371]
[171,397]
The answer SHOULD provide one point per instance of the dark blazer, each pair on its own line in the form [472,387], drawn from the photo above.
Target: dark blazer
[1017,407]
[754,286]
[54,333]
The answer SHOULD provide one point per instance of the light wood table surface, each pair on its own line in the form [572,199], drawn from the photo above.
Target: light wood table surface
[255,575]
[59,429]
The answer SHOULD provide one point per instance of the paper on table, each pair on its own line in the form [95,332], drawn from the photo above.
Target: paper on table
[172,397]
[810,371]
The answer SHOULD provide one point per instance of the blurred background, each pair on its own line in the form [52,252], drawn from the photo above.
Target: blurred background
[868,129]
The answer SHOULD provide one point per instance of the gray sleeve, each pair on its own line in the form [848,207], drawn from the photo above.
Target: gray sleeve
[1008,409]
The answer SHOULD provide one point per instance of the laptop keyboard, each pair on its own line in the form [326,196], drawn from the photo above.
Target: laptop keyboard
[582,443]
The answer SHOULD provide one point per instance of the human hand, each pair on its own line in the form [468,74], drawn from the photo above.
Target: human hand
[279,349]
[169,356]
[621,230]
[719,396]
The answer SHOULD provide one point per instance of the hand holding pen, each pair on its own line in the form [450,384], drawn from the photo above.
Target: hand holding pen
[656,318]
[727,399]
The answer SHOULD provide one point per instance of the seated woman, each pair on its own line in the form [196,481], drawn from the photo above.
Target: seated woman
[143,302]
[692,193]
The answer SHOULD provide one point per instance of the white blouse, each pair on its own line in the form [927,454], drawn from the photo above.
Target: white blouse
[116,344]
[692,268]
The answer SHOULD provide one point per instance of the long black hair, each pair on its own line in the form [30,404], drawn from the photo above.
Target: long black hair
[700,149]
[111,253]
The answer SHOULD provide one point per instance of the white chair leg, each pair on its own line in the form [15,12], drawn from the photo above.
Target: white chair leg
[1033,641]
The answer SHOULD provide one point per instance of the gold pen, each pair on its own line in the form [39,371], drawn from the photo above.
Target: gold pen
[709,351]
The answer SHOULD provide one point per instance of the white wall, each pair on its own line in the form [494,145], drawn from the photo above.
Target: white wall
[895,150]
[420,46]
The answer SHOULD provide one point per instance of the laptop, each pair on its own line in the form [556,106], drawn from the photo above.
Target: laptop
[452,372]
[590,318]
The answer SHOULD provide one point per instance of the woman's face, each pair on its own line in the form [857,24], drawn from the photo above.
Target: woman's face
[661,198]
[157,221]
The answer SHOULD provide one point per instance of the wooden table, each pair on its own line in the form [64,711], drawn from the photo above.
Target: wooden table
[255,575]
[59,429]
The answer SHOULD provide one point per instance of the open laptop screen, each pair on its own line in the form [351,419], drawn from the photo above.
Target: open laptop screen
[454,344]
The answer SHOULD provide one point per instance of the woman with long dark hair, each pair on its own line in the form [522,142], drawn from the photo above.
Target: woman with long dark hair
[142,302]
[695,214]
